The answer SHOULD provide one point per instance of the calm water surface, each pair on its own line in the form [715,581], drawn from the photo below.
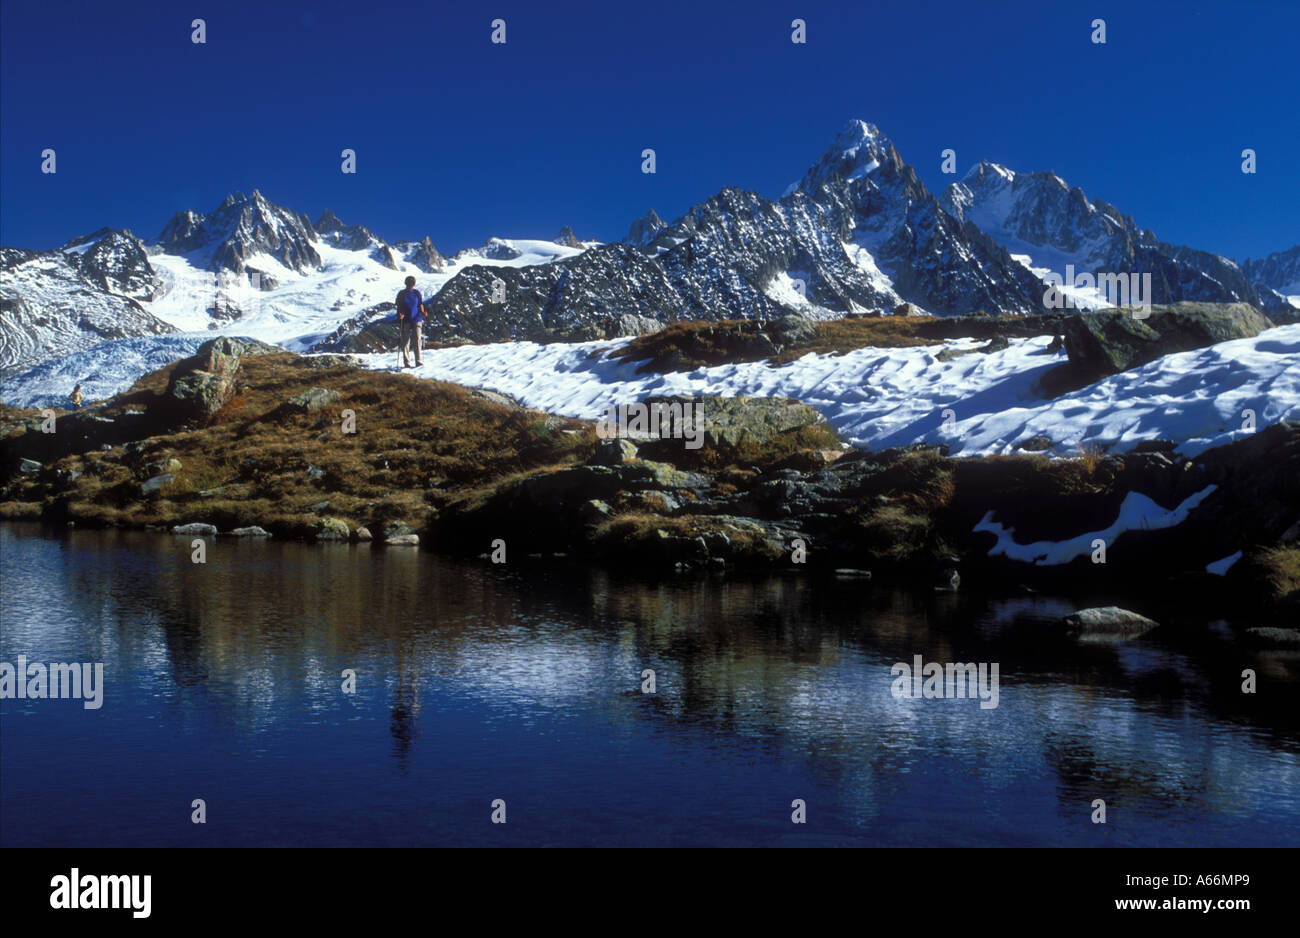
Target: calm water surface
[523,683]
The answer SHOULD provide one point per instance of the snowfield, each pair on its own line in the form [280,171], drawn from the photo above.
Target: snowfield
[875,398]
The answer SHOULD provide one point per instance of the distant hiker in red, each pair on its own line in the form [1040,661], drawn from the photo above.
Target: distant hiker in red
[410,314]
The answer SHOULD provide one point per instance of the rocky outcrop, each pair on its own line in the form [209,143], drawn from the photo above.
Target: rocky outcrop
[203,384]
[426,257]
[727,422]
[567,238]
[1106,342]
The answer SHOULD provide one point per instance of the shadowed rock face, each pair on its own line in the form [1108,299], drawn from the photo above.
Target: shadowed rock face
[1106,342]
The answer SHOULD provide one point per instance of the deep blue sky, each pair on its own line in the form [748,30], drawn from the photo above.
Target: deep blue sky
[461,139]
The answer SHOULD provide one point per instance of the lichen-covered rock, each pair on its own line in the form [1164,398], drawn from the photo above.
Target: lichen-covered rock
[331,529]
[394,529]
[204,383]
[195,528]
[731,421]
[403,540]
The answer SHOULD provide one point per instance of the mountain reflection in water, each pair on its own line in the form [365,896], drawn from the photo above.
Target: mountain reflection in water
[523,682]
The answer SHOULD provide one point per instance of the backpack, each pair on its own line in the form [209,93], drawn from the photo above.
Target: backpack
[402,311]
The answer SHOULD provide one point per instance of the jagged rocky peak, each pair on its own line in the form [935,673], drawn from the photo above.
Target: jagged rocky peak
[645,228]
[425,256]
[1037,208]
[350,237]
[240,228]
[116,261]
[857,151]
[567,238]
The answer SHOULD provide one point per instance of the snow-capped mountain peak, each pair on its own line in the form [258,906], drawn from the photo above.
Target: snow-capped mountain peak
[240,228]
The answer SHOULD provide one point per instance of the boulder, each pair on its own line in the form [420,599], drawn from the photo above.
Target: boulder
[204,383]
[195,528]
[253,531]
[731,421]
[613,452]
[403,540]
[157,483]
[495,397]
[311,400]
[397,529]
[1110,622]
[792,331]
[331,529]
[1106,342]
[363,534]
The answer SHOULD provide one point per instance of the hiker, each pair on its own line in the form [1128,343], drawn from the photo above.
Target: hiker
[75,397]
[410,315]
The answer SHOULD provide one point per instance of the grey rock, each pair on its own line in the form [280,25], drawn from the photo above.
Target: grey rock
[253,531]
[313,399]
[613,452]
[1110,341]
[157,483]
[1109,622]
[195,528]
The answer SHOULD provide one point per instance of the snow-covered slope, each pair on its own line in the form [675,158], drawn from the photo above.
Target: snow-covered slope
[103,370]
[977,403]
[56,302]
[878,398]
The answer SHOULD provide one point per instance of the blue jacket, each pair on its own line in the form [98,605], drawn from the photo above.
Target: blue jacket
[409,305]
